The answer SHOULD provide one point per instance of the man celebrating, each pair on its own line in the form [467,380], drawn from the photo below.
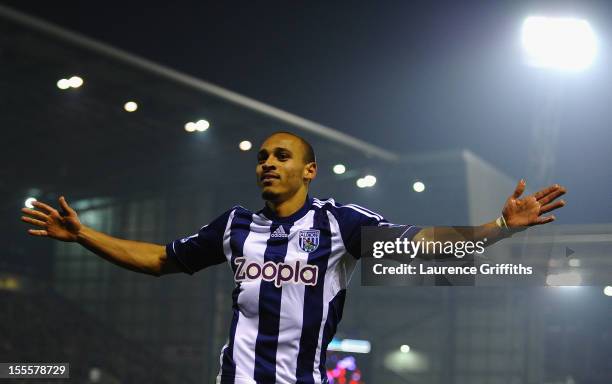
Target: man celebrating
[292,260]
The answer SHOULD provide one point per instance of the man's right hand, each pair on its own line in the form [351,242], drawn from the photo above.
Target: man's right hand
[64,226]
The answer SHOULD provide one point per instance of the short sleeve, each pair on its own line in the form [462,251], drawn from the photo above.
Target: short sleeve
[202,249]
[353,217]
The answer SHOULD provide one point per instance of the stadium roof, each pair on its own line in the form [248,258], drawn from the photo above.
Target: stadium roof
[82,139]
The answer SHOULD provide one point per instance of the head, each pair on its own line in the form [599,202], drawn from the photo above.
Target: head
[285,166]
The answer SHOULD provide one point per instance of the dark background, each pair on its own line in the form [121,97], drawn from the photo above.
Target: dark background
[408,76]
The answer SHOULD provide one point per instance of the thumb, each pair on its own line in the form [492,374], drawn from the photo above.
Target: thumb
[520,188]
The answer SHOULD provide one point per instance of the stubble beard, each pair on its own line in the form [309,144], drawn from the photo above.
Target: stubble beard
[270,196]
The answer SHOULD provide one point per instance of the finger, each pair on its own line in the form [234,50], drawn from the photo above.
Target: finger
[43,206]
[552,196]
[35,213]
[545,219]
[37,232]
[545,191]
[520,188]
[64,205]
[33,221]
[552,206]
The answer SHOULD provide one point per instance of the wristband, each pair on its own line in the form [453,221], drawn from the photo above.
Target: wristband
[501,222]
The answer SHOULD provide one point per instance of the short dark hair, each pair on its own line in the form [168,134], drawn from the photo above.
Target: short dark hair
[309,155]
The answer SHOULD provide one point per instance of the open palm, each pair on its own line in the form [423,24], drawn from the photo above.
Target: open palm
[529,210]
[64,226]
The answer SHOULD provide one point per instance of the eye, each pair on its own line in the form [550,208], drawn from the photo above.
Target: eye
[282,156]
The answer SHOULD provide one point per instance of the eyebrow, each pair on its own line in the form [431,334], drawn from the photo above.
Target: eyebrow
[277,149]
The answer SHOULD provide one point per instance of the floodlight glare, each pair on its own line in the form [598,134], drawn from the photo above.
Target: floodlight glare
[190,126]
[405,348]
[28,202]
[63,84]
[608,290]
[418,186]
[202,125]
[245,145]
[369,180]
[558,42]
[361,183]
[130,106]
[339,169]
[75,81]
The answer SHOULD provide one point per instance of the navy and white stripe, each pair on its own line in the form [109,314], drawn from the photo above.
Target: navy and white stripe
[280,329]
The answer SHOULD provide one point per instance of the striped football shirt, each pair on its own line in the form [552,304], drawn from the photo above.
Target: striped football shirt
[290,275]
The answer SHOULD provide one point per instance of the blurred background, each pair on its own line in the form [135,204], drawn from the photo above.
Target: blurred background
[148,119]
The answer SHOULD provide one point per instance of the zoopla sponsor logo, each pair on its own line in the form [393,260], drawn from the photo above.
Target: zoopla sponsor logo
[278,273]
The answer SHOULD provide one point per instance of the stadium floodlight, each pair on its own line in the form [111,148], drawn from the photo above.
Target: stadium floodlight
[245,145]
[369,180]
[190,126]
[366,181]
[75,81]
[418,186]
[28,202]
[405,348]
[558,42]
[608,290]
[202,125]
[63,83]
[339,169]
[130,106]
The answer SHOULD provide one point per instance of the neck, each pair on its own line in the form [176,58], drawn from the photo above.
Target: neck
[290,206]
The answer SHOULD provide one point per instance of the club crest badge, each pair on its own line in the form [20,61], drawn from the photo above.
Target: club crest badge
[309,239]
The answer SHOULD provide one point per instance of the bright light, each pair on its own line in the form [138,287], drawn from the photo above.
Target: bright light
[202,125]
[28,202]
[608,291]
[339,169]
[190,126]
[418,186]
[366,181]
[557,42]
[245,145]
[75,81]
[130,106]
[63,83]
[370,180]
[574,262]
[350,346]
[413,362]
[405,348]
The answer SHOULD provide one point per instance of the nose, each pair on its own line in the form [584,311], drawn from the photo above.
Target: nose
[267,166]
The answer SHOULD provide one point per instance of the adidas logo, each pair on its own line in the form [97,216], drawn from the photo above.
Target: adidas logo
[279,232]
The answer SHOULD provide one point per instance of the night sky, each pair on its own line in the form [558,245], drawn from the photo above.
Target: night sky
[408,76]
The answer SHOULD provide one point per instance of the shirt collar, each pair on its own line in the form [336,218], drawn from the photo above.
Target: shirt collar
[291,218]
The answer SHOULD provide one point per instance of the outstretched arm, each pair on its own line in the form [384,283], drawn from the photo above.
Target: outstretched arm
[517,214]
[65,226]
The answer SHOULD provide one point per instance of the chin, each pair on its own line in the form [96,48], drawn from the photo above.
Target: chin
[269,195]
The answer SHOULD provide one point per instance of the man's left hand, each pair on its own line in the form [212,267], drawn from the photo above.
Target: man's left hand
[528,211]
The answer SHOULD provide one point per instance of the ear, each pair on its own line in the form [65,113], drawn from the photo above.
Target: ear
[310,171]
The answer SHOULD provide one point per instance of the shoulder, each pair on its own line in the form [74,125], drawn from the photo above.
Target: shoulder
[347,212]
[221,221]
